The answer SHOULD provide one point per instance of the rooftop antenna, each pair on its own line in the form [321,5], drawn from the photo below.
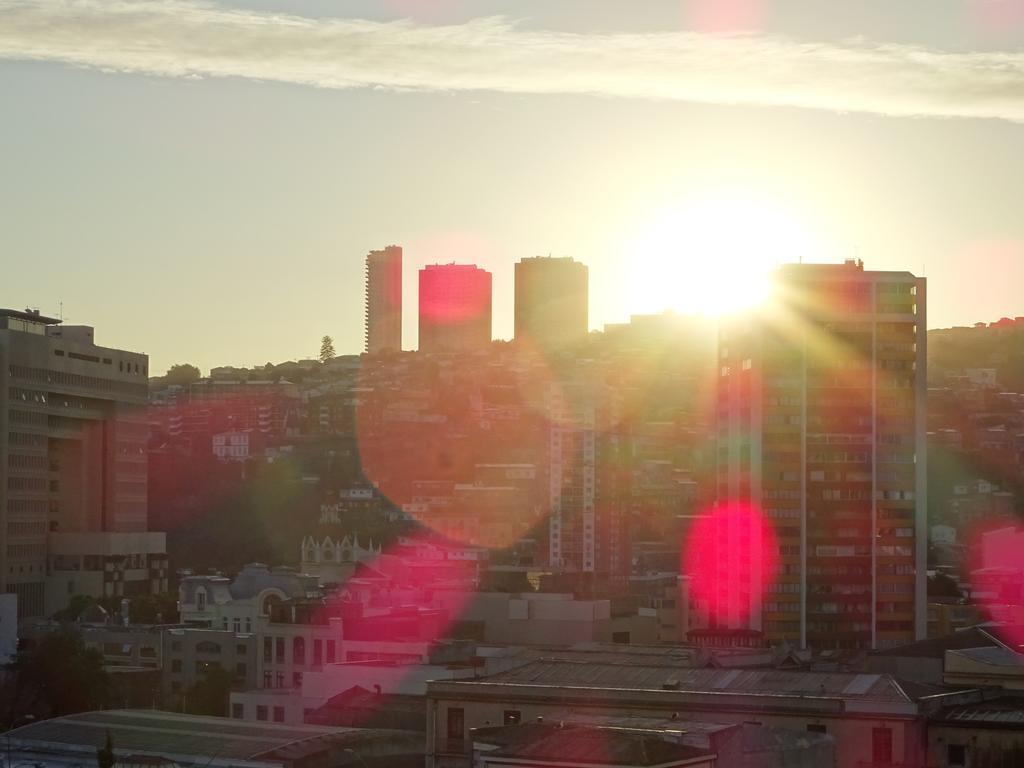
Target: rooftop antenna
[60,310]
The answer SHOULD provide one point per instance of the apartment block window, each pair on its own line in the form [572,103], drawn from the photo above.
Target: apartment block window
[318,652]
[456,723]
[176,665]
[513,717]
[279,650]
[279,679]
[330,652]
[238,710]
[261,711]
[956,755]
[278,714]
[817,728]
[240,669]
[268,649]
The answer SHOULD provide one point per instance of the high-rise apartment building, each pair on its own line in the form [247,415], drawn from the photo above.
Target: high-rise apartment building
[384,300]
[550,302]
[455,308]
[821,418]
[73,467]
[587,531]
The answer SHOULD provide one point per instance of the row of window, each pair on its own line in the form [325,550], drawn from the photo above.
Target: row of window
[262,712]
[26,551]
[31,484]
[323,651]
[27,440]
[60,378]
[26,528]
[17,461]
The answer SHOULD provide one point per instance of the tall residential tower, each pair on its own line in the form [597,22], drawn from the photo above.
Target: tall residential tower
[384,300]
[821,416]
[551,302]
[455,308]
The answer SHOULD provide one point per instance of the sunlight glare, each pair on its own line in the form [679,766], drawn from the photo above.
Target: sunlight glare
[711,254]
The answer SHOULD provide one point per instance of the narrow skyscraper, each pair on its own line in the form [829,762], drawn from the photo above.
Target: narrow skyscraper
[821,417]
[455,308]
[587,533]
[551,302]
[384,300]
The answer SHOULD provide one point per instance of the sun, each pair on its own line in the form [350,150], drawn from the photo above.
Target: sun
[712,253]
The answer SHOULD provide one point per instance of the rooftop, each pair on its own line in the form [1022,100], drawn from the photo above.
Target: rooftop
[32,315]
[189,739]
[996,656]
[588,744]
[1002,712]
[639,674]
[935,648]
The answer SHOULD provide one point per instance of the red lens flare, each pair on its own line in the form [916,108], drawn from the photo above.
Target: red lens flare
[998,18]
[731,555]
[725,16]
[996,580]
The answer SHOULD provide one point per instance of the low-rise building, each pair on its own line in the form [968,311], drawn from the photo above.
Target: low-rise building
[567,745]
[988,667]
[189,654]
[984,733]
[151,737]
[873,720]
[648,741]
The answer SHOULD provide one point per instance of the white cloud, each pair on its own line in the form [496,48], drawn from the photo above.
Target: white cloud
[176,38]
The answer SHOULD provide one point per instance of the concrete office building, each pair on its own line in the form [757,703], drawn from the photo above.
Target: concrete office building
[821,419]
[455,308]
[384,300]
[550,302]
[73,471]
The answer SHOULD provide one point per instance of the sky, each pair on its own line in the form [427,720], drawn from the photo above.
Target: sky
[202,181]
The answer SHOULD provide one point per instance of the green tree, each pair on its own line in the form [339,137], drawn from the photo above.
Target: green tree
[105,755]
[75,606]
[326,349]
[154,609]
[59,676]
[182,374]
[210,695]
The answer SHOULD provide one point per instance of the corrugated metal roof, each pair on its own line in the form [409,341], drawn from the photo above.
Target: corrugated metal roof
[643,675]
[156,732]
[1004,711]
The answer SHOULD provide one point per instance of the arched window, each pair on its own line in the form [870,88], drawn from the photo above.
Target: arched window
[268,604]
[299,650]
